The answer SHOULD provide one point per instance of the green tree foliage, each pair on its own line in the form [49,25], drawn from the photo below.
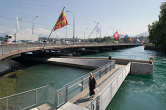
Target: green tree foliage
[157,31]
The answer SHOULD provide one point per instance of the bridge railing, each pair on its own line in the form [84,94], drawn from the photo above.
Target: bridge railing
[6,49]
[75,87]
[103,99]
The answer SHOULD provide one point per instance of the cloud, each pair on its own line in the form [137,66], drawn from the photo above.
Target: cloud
[41,32]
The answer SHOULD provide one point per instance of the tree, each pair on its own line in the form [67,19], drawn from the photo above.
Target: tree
[157,31]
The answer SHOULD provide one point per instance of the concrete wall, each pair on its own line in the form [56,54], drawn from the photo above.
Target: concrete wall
[5,65]
[141,68]
[121,61]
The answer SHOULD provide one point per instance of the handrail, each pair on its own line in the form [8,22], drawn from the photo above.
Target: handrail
[107,86]
[23,92]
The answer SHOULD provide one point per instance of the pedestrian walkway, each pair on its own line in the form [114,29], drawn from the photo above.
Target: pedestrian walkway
[82,99]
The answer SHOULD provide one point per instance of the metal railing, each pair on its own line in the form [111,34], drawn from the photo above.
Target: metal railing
[73,88]
[49,95]
[6,49]
[29,99]
[101,101]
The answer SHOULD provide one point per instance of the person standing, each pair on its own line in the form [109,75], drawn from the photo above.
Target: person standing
[92,85]
[110,57]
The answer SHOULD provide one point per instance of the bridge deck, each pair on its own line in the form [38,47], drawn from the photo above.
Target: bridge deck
[82,99]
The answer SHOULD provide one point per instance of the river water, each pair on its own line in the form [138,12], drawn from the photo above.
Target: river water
[140,92]
[143,92]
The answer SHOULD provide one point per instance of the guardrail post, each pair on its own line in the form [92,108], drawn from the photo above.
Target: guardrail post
[10,48]
[100,73]
[18,47]
[110,66]
[105,69]
[2,49]
[57,99]
[36,98]
[66,94]
[6,103]
[82,82]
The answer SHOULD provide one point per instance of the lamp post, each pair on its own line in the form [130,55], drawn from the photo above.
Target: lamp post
[113,31]
[84,34]
[33,24]
[73,26]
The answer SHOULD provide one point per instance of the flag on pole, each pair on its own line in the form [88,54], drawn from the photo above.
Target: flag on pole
[138,40]
[97,29]
[131,39]
[62,21]
[116,35]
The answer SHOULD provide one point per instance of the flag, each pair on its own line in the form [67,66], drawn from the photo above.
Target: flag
[126,36]
[138,40]
[116,35]
[143,41]
[97,29]
[62,21]
[131,39]
[135,39]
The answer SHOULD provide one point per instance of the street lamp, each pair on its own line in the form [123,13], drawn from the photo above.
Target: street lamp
[84,34]
[113,31]
[73,26]
[66,32]
[33,24]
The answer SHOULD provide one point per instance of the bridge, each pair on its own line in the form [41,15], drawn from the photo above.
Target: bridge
[14,50]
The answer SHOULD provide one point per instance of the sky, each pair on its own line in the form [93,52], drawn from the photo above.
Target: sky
[130,17]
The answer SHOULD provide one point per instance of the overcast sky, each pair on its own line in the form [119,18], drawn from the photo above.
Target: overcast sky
[127,16]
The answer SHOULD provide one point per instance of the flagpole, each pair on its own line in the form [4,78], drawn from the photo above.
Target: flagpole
[51,31]
[93,30]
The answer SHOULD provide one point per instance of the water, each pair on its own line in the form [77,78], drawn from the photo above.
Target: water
[38,75]
[143,92]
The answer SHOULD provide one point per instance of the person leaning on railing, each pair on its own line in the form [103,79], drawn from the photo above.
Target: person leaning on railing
[92,85]
[151,60]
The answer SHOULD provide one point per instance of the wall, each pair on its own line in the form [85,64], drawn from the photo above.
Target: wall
[141,68]
[5,65]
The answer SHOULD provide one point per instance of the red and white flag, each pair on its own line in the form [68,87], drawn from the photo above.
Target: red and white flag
[116,35]
[138,40]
